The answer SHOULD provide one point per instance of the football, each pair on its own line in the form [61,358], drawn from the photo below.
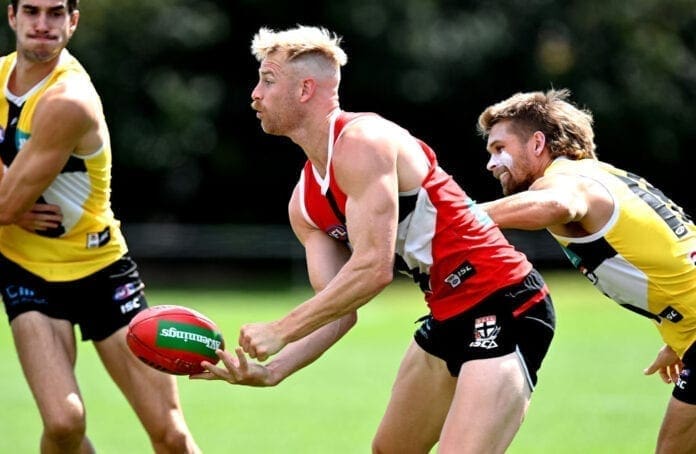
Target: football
[174,339]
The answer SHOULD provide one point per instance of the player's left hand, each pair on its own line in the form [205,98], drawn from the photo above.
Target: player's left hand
[237,371]
[261,340]
[42,216]
[667,364]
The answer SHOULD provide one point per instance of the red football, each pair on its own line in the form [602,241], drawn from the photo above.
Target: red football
[174,339]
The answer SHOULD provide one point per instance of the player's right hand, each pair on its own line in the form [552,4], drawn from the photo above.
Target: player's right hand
[42,216]
[237,371]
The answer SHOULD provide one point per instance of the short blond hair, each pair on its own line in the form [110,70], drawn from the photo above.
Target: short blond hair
[568,128]
[299,41]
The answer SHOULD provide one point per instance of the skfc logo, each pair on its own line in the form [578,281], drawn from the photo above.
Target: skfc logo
[486,331]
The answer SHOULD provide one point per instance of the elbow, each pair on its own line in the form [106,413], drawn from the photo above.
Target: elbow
[382,277]
[560,213]
[349,321]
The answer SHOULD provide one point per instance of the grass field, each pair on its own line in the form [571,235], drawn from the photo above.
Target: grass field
[591,396]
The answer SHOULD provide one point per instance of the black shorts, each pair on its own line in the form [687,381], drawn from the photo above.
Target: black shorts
[492,329]
[100,303]
[685,387]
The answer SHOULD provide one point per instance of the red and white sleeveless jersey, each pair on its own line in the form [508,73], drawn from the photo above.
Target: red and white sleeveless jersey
[450,246]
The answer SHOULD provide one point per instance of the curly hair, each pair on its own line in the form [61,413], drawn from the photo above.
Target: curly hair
[568,128]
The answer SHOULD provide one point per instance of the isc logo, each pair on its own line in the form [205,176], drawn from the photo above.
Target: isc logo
[130,305]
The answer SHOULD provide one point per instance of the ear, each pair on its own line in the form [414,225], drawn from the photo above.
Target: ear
[308,87]
[539,142]
[11,18]
[74,19]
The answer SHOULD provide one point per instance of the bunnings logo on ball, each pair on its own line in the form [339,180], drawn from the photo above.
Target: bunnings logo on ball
[183,336]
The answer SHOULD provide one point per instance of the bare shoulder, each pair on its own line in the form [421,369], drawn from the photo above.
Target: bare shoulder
[369,134]
[76,104]
[373,127]
[74,97]
[559,182]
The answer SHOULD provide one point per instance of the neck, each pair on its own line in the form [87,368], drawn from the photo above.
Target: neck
[313,138]
[27,74]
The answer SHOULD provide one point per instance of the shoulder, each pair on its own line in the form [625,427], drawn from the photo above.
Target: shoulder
[71,98]
[372,129]
[66,102]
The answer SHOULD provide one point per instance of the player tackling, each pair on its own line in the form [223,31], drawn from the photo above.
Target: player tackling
[634,244]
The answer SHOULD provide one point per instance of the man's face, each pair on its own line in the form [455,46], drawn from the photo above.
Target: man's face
[43,28]
[275,96]
[510,158]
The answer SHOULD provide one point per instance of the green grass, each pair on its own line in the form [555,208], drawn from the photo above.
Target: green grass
[591,396]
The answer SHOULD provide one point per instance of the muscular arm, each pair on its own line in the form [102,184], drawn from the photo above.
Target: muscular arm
[366,170]
[551,200]
[325,257]
[61,121]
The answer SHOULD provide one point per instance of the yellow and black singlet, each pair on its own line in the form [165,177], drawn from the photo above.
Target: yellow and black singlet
[89,238]
[644,258]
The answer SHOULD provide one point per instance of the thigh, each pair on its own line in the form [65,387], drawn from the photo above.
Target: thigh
[678,431]
[488,407]
[152,394]
[47,352]
[419,403]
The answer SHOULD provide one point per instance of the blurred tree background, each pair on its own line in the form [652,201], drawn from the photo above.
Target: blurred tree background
[176,77]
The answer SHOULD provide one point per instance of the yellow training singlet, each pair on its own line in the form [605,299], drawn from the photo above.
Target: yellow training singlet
[644,258]
[89,238]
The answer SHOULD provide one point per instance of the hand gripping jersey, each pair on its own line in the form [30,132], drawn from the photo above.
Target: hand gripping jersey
[644,258]
[89,238]
[444,241]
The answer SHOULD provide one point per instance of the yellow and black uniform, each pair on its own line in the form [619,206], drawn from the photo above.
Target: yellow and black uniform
[644,258]
[89,238]
[68,271]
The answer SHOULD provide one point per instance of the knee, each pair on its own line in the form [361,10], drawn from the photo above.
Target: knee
[67,427]
[377,447]
[381,445]
[175,440]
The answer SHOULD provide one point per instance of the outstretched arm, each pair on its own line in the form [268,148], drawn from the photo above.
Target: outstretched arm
[549,201]
[324,259]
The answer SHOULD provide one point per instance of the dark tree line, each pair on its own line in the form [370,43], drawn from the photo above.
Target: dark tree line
[176,77]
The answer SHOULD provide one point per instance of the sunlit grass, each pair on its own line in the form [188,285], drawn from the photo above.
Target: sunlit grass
[591,396]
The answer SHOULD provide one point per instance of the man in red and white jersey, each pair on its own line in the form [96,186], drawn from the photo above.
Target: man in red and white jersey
[372,198]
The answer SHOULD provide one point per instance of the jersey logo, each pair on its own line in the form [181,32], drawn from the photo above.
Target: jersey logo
[337,232]
[671,314]
[21,138]
[465,271]
[98,239]
[486,330]
[692,257]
